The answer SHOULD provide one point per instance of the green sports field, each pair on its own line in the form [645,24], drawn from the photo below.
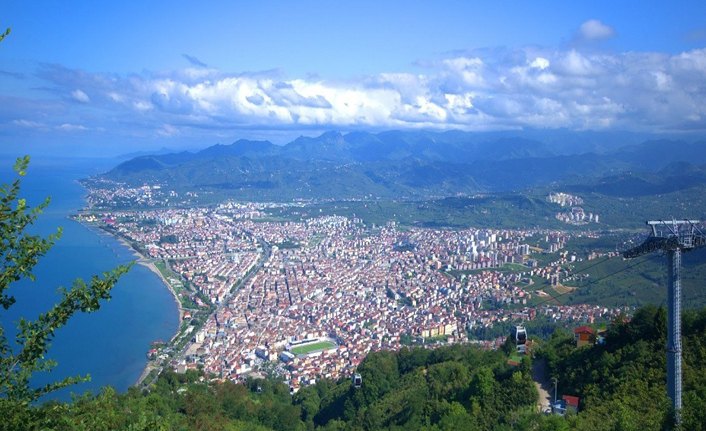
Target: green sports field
[303,350]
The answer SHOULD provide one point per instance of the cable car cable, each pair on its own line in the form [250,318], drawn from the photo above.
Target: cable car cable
[598,279]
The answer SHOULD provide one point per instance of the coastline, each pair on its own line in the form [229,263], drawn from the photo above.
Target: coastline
[148,263]
[141,260]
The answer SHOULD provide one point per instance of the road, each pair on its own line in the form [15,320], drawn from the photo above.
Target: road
[179,356]
[544,386]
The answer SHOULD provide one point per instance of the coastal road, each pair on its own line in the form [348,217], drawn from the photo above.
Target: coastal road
[264,257]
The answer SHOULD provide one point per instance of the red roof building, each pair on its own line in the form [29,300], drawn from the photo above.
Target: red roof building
[584,336]
[572,403]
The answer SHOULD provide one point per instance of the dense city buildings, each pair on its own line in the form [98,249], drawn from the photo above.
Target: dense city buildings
[309,299]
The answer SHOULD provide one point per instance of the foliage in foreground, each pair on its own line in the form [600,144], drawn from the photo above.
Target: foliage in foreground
[458,387]
[19,253]
[621,385]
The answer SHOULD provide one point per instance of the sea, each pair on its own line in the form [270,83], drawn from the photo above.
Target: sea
[110,344]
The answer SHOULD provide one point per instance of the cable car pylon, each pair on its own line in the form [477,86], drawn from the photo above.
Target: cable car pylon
[677,237]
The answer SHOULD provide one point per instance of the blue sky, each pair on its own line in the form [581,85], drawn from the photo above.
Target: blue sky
[112,77]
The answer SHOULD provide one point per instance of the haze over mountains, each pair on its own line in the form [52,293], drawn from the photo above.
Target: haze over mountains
[398,164]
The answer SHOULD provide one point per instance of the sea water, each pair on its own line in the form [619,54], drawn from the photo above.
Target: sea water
[110,344]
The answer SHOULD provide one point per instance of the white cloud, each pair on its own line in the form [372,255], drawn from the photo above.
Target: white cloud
[67,127]
[574,63]
[471,70]
[167,131]
[595,30]
[27,123]
[539,63]
[80,96]
[141,105]
[492,89]
[116,97]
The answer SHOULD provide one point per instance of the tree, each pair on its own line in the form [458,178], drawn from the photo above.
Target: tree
[19,253]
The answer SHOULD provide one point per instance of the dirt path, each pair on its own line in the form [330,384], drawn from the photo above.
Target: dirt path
[544,386]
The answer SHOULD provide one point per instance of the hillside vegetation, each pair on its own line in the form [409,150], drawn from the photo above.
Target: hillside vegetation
[621,386]
[415,164]
[462,179]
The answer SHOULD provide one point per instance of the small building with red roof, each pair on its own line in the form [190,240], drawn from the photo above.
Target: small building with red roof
[584,336]
[572,403]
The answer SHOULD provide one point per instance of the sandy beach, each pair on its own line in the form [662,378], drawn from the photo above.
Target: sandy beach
[149,263]
[142,260]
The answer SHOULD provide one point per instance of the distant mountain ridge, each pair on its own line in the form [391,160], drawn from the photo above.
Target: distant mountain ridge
[402,164]
[674,177]
[127,156]
[363,147]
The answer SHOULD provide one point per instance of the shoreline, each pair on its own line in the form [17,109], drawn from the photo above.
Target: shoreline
[149,264]
[141,260]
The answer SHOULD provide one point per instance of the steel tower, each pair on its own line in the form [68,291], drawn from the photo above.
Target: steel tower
[676,238]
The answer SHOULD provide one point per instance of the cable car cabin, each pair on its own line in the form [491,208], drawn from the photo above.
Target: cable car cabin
[519,335]
[357,380]
[291,389]
[259,390]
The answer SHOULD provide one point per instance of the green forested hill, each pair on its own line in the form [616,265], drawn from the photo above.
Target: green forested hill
[621,386]
[458,387]
[416,165]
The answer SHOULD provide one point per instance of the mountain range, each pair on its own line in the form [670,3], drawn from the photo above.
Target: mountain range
[402,164]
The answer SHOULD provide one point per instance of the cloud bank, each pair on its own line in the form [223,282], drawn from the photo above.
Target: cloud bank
[491,89]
